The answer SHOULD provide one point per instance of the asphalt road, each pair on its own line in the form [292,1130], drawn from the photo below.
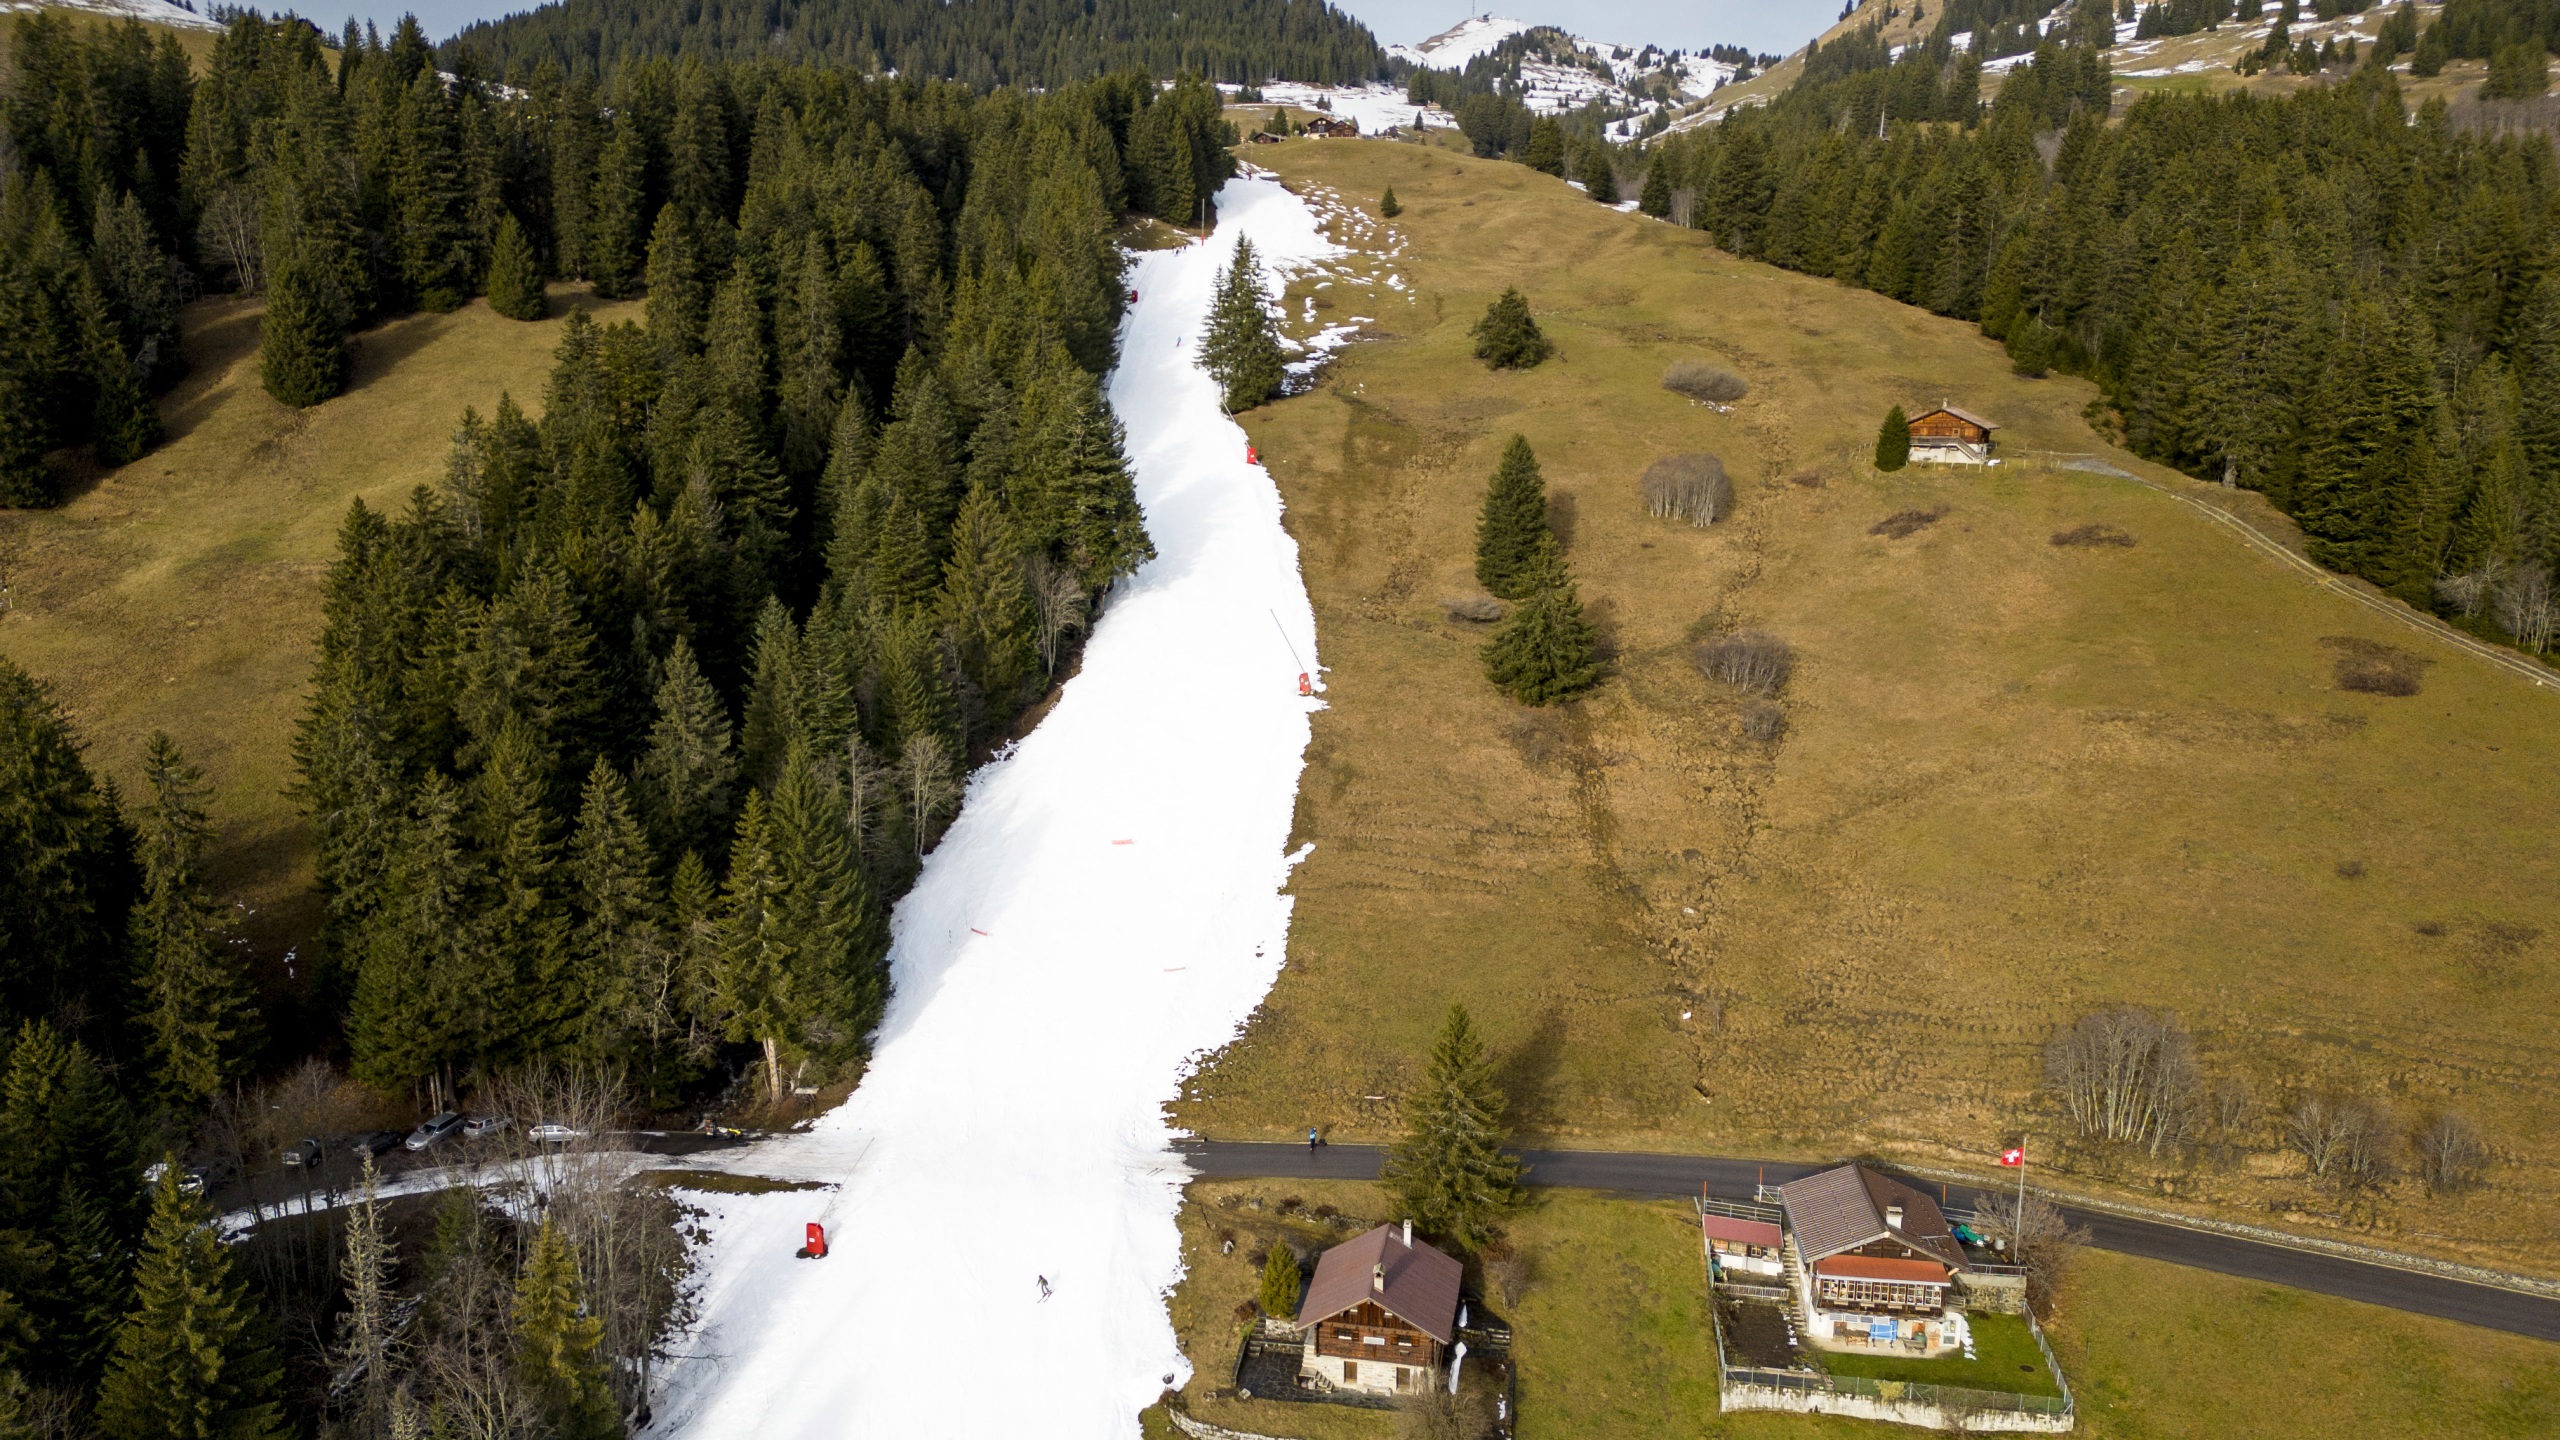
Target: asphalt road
[2416,1291]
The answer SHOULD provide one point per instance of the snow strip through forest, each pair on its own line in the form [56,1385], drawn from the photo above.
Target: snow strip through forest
[1107,907]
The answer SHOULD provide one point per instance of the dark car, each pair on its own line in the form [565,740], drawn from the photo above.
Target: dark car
[374,1142]
[434,1130]
[303,1154]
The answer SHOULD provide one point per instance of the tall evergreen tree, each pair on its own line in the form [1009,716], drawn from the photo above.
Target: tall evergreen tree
[66,867]
[1280,1283]
[198,1013]
[760,989]
[194,1360]
[302,339]
[1511,531]
[1893,441]
[1449,1172]
[617,906]
[985,602]
[1544,650]
[1241,351]
[1507,338]
[685,778]
[559,1357]
[515,277]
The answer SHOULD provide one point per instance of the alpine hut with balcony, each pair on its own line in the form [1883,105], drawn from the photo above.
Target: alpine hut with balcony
[1949,436]
[1380,1314]
[1876,1262]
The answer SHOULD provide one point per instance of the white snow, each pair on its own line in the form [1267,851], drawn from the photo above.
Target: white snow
[1107,908]
[1375,107]
[156,12]
[1452,48]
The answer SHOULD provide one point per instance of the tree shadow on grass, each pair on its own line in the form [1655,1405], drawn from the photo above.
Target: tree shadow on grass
[1528,1071]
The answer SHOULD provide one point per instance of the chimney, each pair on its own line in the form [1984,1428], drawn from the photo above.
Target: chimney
[1378,1279]
[1893,1216]
[1408,1234]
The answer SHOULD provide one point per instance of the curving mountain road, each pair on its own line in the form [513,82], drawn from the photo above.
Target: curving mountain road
[1634,1173]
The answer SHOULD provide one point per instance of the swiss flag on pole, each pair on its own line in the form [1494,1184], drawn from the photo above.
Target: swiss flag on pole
[2014,1155]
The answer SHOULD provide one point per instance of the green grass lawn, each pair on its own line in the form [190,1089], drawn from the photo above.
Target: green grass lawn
[2004,1358]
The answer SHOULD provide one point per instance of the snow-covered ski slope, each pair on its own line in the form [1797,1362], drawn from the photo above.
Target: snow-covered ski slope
[1108,906]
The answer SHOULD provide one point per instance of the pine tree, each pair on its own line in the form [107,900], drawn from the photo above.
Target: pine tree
[198,1014]
[1511,532]
[1507,337]
[985,603]
[1546,146]
[1388,206]
[515,279]
[1449,1172]
[123,423]
[1655,198]
[1280,1283]
[615,899]
[759,989]
[613,246]
[66,873]
[826,907]
[1893,441]
[1544,650]
[686,775]
[1596,173]
[559,1347]
[193,1360]
[302,339]
[1240,351]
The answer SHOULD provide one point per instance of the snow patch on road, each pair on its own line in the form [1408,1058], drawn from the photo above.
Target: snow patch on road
[1053,985]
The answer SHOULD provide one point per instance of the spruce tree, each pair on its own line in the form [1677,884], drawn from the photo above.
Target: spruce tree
[616,902]
[1596,173]
[1546,146]
[193,1360]
[1893,441]
[198,1015]
[1280,1283]
[1544,650]
[1388,206]
[560,1360]
[826,908]
[985,602]
[1507,337]
[612,248]
[1240,350]
[123,423]
[66,872]
[302,339]
[758,980]
[1512,529]
[515,279]
[1655,198]
[1449,1171]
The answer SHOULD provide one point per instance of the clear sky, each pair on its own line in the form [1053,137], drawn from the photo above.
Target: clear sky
[1778,26]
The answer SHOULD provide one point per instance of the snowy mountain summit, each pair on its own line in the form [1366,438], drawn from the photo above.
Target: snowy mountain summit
[1452,48]
[153,12]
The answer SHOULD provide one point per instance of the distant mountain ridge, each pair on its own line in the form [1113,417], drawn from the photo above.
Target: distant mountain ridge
[978,42]
[150,12]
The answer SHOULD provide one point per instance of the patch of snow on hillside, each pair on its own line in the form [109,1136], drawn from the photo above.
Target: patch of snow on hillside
[1452,48]
[154,12]
[1107,909]
[1375,107]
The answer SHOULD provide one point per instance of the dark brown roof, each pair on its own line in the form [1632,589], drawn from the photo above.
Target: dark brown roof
[1842,1209]
[1741,1232]
[1966,416]
[1421,1288]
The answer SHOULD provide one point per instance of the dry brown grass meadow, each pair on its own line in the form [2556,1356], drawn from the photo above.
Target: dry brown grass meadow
[2017,781]
[182,592]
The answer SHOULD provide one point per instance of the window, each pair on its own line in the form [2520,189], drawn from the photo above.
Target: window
[1373,1339]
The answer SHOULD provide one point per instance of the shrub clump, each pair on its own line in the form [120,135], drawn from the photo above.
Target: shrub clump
[2092,536]
[1902,523]
[1688,487]
[2373,668]
[1707,384]
[1753,660]
[1474,609]
[1763,720]
[1507,338]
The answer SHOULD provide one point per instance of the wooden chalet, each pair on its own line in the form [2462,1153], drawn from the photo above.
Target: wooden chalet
[1332,125]
[1380,1314]
[1949,436]
[1874,1252]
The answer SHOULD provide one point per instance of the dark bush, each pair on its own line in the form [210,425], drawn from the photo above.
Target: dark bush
[1688,487]
[1705,383]
[1762,720]
[1808,478]
[1476,609]
[1751,659]
[1902,523]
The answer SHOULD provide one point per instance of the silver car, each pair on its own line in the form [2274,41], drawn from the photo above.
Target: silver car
[434,1130]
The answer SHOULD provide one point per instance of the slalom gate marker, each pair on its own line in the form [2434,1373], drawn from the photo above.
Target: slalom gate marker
[1252,455]
[1124,842]
[816,1248]
[974,930]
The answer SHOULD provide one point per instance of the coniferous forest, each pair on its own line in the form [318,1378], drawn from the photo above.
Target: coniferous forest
[2324,297]
[1044,43]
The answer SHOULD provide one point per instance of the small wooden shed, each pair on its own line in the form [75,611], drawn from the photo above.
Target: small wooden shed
[1949,436]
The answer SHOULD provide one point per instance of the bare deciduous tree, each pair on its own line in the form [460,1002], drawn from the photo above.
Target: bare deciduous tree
[2450,1153]
[932,791]
[2127,1076]
[2526,607]
[1432,1413]
[2344,1139]
[366,1360]
[2036,1238]
[1688,487]
[1752,659]
[230,236]
[1705,383]
[1508,1272]
[1058,595]
[870,796]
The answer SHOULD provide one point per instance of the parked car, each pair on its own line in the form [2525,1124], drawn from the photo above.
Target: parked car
[434,1130]
[482,1126]
[374,1142]
[303,1154]
[550,1133]
[190,1180]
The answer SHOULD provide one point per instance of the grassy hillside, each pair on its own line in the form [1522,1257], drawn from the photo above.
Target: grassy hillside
[182,591]
[1611,1339]
[2019,781]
